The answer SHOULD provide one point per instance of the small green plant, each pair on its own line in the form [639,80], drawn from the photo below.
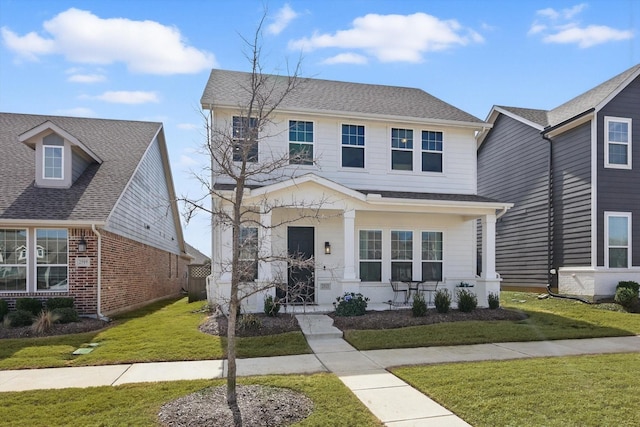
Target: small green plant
[626,297]
[4,309]
[494,300]
[467,300]
[271,306]
[351,304]
[66,315]
[419,306]
[32,305]
[60,302]
[442,300]
[249,322]
[629,284]
[20,318]
[43,321]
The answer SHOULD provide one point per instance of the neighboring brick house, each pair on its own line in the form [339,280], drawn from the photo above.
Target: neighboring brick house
[574,175]
[87,210]
[397,169]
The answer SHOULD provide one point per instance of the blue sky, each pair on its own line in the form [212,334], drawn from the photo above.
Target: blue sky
[150,59]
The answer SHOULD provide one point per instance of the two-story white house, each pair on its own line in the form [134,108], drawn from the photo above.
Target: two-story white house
[395,168]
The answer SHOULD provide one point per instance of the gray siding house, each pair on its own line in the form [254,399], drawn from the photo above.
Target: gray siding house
[574,175]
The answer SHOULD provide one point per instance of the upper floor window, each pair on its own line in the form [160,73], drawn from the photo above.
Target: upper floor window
[431,151]
[352,146]
[402,149]
[53,149]
[617,153]
[617,239]
[371,255]
[300,142]
[245,139]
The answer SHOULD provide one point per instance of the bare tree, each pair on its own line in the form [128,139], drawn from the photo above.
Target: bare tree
[235,167]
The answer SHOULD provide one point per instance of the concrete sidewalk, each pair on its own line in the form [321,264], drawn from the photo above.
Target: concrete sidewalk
[390,399]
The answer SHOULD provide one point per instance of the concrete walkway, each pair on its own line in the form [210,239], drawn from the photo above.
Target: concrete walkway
[390,399]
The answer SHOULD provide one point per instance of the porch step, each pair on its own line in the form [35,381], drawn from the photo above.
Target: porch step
[318,326]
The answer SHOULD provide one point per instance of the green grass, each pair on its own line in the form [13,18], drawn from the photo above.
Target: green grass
[564,391]
[139,404]
[548,319]
[163,331]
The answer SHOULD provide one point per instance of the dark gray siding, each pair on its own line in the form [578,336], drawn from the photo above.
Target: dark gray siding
[619,190]
[79,164]
[512,167]
[572,197]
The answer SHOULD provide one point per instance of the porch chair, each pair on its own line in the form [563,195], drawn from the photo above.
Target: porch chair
[431,288]
[396,286]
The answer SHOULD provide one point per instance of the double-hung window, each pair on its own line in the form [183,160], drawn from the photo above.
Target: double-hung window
[431,151]
[402,149]
[432,256]
[300,142]
[617,239]
[352,146]
[13,260]
[51,259]
[401,255]
[245,139]
[52,157]
[371,255]
[248,259]
[617,153]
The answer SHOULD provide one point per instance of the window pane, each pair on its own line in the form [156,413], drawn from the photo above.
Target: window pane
[431,141]
[13,247]
[618,131]
[618,154]
[52,162]
[245,135]
[371,271]
[402,138]
[370,244]
[618,258]
[401,271]
[618,231]
[432,271]
[402,245]
[301,154]
[431,162]
[51,246]
[52,278]
[402,160]
[13,278]
[432,246]
[248,243]
[300,131]
[352,157]
[353,135]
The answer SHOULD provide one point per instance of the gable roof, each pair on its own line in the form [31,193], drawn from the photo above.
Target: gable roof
[230,89]
[119,144]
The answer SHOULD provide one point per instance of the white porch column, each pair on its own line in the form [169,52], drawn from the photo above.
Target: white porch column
[264,269]
[349,245]
[489,247]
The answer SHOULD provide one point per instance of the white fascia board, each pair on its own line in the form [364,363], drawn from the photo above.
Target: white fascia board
[48,125]
[375,199]
[310,177]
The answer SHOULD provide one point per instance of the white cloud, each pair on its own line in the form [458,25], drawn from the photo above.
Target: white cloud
[86,78]
[394,37]
[282,20]
[127,97]
[346,58]
[188,126]
[186,161]
[563,27]
[77,112]
[82,37]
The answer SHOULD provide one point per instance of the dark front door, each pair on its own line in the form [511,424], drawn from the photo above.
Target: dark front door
[300,283]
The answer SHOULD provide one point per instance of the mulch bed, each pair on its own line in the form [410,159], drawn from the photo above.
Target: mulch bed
[84,325]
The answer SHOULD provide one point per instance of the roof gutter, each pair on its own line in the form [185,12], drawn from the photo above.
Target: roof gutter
[99,284]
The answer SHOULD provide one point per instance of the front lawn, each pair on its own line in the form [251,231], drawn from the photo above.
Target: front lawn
[163,331]
[581,391]
[548,319]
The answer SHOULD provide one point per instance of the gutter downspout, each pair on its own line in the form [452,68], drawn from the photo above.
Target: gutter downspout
[99,285]
[549,211]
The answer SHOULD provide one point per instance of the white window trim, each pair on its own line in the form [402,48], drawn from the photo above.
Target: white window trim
[35,265]
[363,147]
[628,121]
[312,144]
[608,215]
[441,261]
[44,156]
[411,150]
[441,152]
[382,253]
[26,265]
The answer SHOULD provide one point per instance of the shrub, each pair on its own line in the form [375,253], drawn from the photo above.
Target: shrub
[32,305]
[43,322]
[53,303]
[4,309]
[442,300]
[20,318]
[629,284]
[271,306]
[419,306]
[494,300]
[467,301]
[249,322]
[66,315]
[626,297]
[351,304]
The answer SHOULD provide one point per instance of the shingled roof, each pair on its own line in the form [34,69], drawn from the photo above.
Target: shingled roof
[229,89]
[119,144]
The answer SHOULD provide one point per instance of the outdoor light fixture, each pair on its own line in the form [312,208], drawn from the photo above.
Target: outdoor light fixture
[327,248]
[82,244]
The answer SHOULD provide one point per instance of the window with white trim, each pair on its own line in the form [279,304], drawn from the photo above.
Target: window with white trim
[300,142]
[248,259]
[432,256]
[617,136]
[370,255]
[52,267]
[401,255]
[402,149]
[52,162]
[352,146]
[13,266]
[617,239]
[245,139]
[431,151]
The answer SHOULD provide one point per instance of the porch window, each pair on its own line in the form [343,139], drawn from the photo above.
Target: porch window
[617,143]
[432,256]
[617,238]
[431,151]
[300,142]
[13,267]
[51,268]
[402,149]
[245,139]
[371,255]
[352,146]
[248,259]
[401,255]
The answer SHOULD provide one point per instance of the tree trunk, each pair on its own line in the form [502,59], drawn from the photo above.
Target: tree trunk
[232,397]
